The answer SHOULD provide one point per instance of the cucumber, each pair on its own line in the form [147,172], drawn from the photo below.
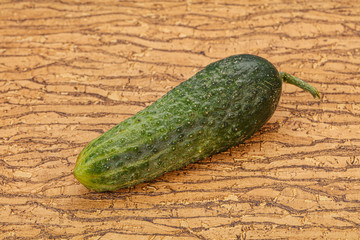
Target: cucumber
[216,109]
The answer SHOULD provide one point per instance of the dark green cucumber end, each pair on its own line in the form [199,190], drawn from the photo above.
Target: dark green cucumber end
[81,174]
[288,78]
[84,178]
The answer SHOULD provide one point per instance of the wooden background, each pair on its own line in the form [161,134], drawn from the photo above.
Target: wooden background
[70,70]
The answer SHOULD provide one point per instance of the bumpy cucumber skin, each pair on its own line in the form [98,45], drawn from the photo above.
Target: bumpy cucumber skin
[216,109]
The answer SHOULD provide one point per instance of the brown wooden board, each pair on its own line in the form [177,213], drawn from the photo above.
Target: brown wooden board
[70,70]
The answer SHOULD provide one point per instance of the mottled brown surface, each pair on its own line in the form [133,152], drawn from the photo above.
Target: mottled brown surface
[70,70]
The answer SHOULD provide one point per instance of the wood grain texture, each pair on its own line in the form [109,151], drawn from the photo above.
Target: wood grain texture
[70,70]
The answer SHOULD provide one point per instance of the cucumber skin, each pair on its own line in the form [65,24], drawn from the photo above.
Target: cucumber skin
[216,109]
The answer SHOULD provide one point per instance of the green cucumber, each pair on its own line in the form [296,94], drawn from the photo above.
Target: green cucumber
[216,109]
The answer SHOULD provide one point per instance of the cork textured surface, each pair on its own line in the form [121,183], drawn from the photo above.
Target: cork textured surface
[70,70]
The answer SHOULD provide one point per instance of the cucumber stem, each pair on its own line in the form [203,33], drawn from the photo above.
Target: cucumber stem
[288,78]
